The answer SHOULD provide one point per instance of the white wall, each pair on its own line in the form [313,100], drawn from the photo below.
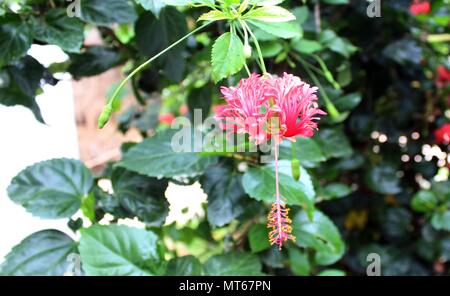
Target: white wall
[25,141]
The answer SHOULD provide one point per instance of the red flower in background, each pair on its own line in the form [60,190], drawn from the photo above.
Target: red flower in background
[183,109]
[418,7]
[442,76]
[166,118]
[442,134]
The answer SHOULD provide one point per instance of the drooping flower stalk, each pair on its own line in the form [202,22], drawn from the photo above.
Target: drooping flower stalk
[272,108]
[278,218]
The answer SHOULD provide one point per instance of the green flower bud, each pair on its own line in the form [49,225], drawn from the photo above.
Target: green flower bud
[104,116]
[295,167]
[247,51]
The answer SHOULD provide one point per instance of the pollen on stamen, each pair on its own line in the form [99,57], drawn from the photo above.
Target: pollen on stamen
[280,224]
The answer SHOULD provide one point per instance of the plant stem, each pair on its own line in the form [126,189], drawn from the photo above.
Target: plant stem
[258,48]
[137,94]
[104,117]
[334,113]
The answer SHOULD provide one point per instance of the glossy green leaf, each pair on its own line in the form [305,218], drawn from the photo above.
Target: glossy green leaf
[283,29]
[141,196]
[102,12]
[259,183]
[258,238]
[115,250]
[270,14]
[424,201]
[337,44]
[306,46]
[335,190]
[93,61]
[51,189]
[308,152]
[331,272]
[299,260]
[319,234]
[226,197]
[155,157]
[184,266]
[441,220]
[383,179]
[227,56]
[57,28]
[233,263]
[336,1]
[154,6]
[155,34]
[333,142]
[16,38]
[41,253]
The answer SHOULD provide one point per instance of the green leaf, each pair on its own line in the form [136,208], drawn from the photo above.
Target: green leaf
[226,197]
[142,196]
[441,220]
[331,272]
[93,61]
[24,79]
[200,98]
[258,238]
[404,51]
[27,74]
[270,49]
[41,253]
[259,183]
[336,1]
[13,96]
[336,190]
[273,14]
[154,157]
[154,35]
[213,15]
[308,152]
[333,142]
[57,28]
[233,263]
[227,56]
[299,260]
[424,201]
[16,38]
[442,190]
[306,46]
[182,266]
[265,2]
[347,102]
[118,250]
[154,6]
[283,29]
[88,206]
[320,234]
[337,44]
[102,12]
[301,14]
[51,189]
[383,179]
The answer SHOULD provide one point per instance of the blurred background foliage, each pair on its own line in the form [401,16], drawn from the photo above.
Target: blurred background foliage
[376,174]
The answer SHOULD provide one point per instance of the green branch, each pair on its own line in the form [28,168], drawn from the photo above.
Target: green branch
[107,110]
